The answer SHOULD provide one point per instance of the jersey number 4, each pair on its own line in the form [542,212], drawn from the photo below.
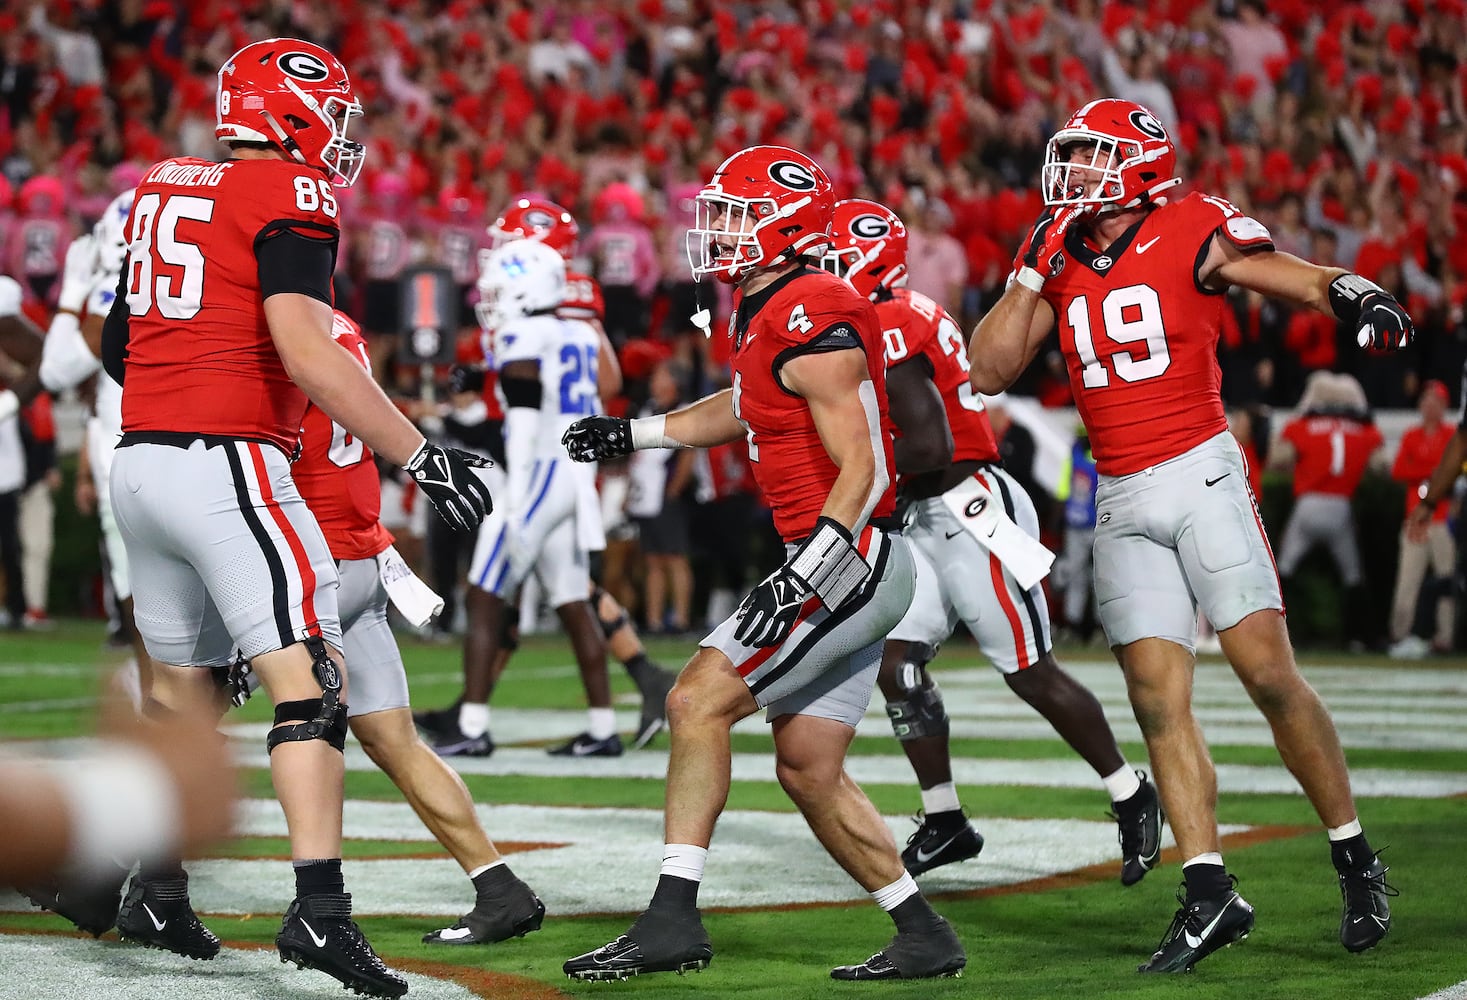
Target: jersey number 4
[1129,315]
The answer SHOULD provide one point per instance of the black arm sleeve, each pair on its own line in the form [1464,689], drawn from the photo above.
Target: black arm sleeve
[291,262]
[115,332]
[524,392]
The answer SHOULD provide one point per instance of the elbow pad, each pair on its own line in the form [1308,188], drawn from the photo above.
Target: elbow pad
[65,359]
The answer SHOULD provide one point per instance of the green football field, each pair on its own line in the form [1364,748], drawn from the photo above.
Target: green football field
[1041,911]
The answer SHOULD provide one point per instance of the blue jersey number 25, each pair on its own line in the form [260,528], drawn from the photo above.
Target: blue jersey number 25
[578,380]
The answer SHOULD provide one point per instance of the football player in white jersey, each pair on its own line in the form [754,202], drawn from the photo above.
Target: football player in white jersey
[547,367]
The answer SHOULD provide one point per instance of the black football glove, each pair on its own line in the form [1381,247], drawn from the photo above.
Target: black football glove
[1378,319]
[1384,323]
[827,565]
[598,439]
[446,477]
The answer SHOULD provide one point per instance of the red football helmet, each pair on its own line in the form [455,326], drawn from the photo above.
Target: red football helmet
[1131,157]
[536,219]
[870,249]
[775,203]
[295,95]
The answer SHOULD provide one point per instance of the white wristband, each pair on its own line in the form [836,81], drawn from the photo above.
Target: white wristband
[122,808]
[651,432]
[9,405]
[1030,279]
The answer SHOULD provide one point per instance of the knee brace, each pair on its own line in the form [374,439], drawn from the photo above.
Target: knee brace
[237,681]
[609,626]
[920,712]
[327,713]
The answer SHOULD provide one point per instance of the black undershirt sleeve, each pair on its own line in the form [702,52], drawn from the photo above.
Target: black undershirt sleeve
[291,262]
[521,392]
[115,332]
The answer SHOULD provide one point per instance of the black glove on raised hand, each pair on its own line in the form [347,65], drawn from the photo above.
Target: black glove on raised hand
[466,378]
[1378,319]
[446,477]
[827,565]
[598,439]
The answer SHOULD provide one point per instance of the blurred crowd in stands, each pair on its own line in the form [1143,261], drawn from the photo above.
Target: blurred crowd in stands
[1342,127]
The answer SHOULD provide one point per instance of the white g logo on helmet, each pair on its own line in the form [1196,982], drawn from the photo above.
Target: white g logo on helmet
[794,176]
[870,227]
[303,66]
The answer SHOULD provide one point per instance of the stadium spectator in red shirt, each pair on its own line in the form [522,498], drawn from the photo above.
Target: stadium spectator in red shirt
[1329,446]
[1430,544]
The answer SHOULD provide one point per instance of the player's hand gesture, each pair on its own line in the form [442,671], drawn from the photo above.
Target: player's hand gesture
[1039,260]
[1384,323]
[446,477]
[598,439]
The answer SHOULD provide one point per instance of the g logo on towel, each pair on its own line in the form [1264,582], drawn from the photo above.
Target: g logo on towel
[975,507]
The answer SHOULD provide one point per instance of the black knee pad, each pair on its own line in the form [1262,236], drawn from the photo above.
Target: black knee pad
[609,626]
[919,712]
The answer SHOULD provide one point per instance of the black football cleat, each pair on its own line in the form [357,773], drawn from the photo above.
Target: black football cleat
[438,722]
[934,954]
[167,924]
[319,933]
[513,915]
[659,941]
[586,745]
[654,707]
[92,906]
[1367,916]
[937,843]
[1199,929]
[1138,821]
[453,743]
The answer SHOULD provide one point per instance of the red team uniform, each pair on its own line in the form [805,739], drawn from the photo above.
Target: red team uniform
[1332,455]
[336,474]
[1176,519]
[790,463]
[199,220]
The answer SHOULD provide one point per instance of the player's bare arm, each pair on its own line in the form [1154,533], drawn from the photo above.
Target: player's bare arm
[1448,468]
[608,368]
[916,407]
[842,400]
[300,326]
[1007,338]
[1378,319]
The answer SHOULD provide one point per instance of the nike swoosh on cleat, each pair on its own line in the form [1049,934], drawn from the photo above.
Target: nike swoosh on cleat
[1193,941]
[925,856]
[454,933]
[159,924]
[319,939]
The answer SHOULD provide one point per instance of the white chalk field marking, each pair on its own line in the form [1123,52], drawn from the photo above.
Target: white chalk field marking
[66,969]
[610,859]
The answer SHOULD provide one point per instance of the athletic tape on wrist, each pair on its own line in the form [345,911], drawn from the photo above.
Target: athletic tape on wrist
[651,432]
[122,807]
[830,564]
[1030,279]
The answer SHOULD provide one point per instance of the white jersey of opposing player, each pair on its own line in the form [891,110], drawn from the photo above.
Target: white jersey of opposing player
[566,351]
[109,393]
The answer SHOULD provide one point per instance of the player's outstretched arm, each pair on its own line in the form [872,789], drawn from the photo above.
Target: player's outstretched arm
[843,404]
[1375,316]
[708,422]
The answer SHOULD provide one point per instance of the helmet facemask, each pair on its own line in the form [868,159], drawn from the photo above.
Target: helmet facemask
[709,249]
[341,157]
[1066,181]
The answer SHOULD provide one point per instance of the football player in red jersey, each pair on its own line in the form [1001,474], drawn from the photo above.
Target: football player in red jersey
[220,333]
[1136,282]
[1330,446]
[949,465]
[809,394]
[338,479]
